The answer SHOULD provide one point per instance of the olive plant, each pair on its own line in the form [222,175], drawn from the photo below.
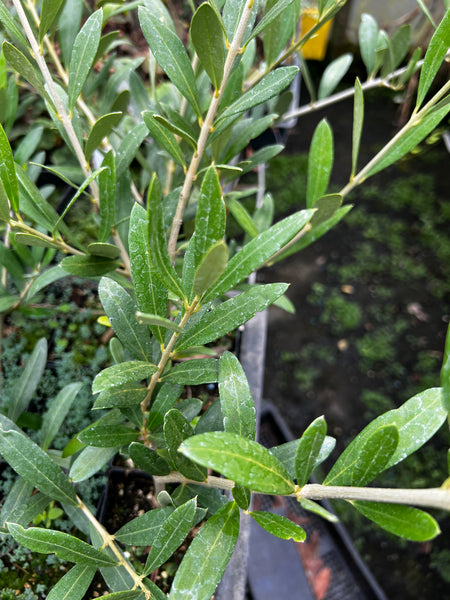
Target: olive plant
[172,282]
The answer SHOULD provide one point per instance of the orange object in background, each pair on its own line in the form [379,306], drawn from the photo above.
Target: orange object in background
[316,47]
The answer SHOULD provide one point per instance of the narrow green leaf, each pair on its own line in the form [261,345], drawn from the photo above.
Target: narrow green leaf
[257,252]
[211,268]
[207,36]
[26,386]
[171,535]
[368,42]
[320,163]
[178,126]
[177,429]
[83,54]
[151,293]
[158,248]
[69,26]
[35,241]
[28,145]
[270,15]
[10,25]
[121,396]
[435,54]
[333,74]
[194,372]
[242,216]
[90,461]
[101,129]
[263,155]
[74,584]
[57,411]
[232,14]
[49,12]
[108,436]
[121,374]
[242,496]
[88,265]
[212,548]
[411,137]
[34,465]
[373,456]
[4,204]
[236,400]
[210,218]
[279,526]
[244,461]
[164,401]
[308,450]
[171,55]
[45,279]
[286,453]
[426,12]
[103,249]
[405,521]
[417,421]
[7,171]
[129,147]
[20,63]
[400,45]
[358,120]
[318,509]
[272,84]
[143,530]
[445,374]
[7,302]
[148,460]
[326,206]
[67,547]
[121,311]
[147,319]
[164,138]
[244,131]
[18,496]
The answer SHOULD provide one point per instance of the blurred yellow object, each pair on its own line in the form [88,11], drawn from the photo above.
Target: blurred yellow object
[316,47]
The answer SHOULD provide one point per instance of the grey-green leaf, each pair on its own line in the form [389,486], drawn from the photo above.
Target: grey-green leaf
[236,400]
[257,252]
[148,460]
[74,584]
[121,311]
[212,548]
[101,129]
[308,450]
[57,411]
[67,547]
[279,525]
[437,49]
[29,380]
[368,42]
[177,429]
[20,63]
[90,461]
[207,37]
[164,137]
[108,436]
[83,54]
[121,374]
[171,55]
[49,12]
[151,293]
[358,120]
[405,521]
[333,74]
[88,265]
[417,421]
[320,163]
[142,530]
[170,535]
[8,172]
[244,461]
[210,268]
[121,396]
[272,84]
[34,465]
[373,456]
[194,372]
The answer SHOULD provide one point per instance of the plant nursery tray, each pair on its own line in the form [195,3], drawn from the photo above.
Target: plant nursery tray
[324,567]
